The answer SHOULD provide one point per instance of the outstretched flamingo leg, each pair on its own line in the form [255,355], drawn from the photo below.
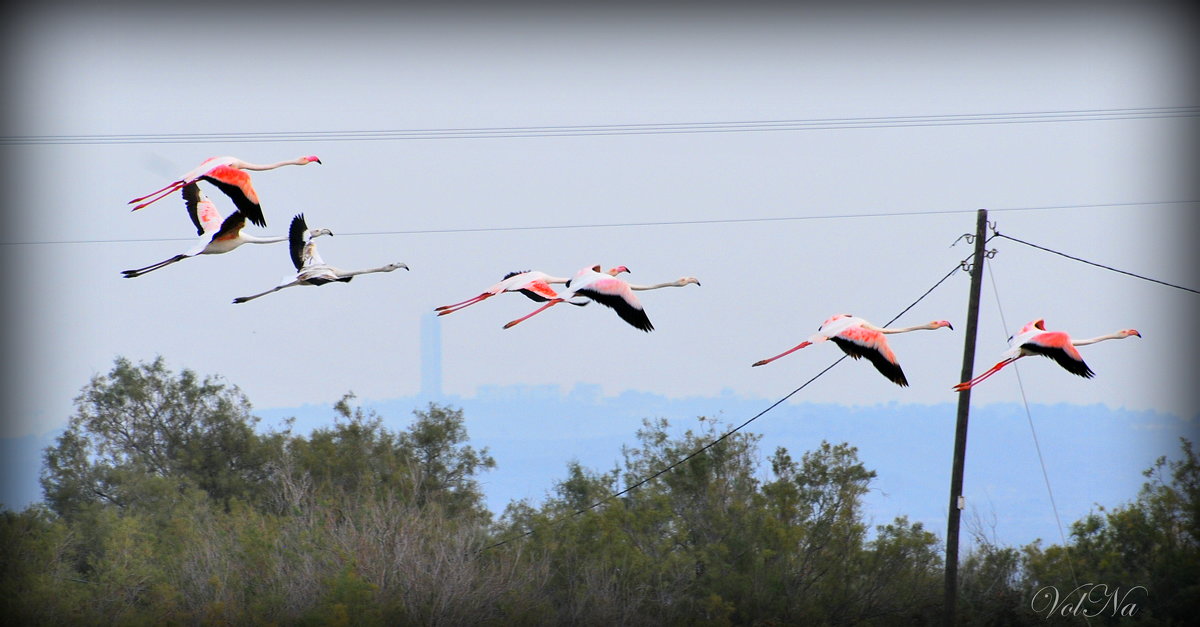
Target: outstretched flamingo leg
[129,274]
[786,352]
[966,385]
[447,309]
[156,196]
[537,311]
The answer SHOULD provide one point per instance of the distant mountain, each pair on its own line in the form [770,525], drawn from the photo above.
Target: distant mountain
[1093,454]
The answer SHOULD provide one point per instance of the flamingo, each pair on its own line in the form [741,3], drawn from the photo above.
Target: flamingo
[217,236]
[534,284]
[859,338]
[229,175]
[310,268]
[1034,339]
[610,291]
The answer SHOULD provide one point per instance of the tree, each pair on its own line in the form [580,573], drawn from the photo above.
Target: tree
[710,542]
[429,463]
[141,434]
[1147,552]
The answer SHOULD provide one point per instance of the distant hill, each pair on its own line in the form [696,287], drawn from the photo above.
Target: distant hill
[1093,454]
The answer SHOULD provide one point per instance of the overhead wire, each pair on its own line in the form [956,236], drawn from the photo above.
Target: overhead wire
[1036,444]
[550,227]
[661,128]
[1098,265]
[631,487]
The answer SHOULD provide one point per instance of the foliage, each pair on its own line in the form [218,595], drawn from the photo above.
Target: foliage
[164,504]
[1152,542]
[712,542]
[141,435]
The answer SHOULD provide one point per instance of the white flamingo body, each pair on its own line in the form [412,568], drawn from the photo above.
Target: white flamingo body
[310,268]
[1034,339]
[230,175]
[859,338]
[612,292]
[216,236]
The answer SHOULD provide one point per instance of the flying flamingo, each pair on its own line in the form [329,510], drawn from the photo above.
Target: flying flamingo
[534,284]
[1034,339]
[859,338]
[610,291]
[229,175]
[217,236]
[310,268]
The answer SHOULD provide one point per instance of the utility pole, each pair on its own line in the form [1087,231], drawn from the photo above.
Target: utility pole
[960,431]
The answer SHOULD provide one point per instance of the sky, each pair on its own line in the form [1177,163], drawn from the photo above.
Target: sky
[783,228]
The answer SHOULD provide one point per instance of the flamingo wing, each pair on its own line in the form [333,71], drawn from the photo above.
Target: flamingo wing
[296,241]
[1057,346]
[201,210]
[235,183]
[858,342]
[538,291]
[616,295]
[231,227]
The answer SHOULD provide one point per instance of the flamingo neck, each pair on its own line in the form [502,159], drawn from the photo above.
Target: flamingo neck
[907,329]
[250,239]
[641,288]
[1110,336]
[259,168]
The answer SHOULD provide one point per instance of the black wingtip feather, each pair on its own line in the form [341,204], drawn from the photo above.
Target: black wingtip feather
[296,240]
[251,210]
[892,371]
[634,316]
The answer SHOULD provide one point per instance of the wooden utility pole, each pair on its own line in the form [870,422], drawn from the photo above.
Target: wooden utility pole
[960,431]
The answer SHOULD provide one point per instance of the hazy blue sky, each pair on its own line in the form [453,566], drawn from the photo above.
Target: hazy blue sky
[1089,188]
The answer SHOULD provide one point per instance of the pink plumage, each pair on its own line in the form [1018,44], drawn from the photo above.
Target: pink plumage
[229,175]
[1034,339]
[858,339]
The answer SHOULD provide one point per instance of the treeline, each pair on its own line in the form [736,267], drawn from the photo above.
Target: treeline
[165,505]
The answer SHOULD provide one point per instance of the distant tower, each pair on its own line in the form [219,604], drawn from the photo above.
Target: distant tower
[431,357]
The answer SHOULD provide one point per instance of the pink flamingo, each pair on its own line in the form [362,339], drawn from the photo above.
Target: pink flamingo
[217,236]
[1034,339]
[859,338]
[610,291]
[534,284]
[229,175]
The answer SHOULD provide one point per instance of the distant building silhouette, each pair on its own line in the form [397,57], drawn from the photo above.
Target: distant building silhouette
[431,357]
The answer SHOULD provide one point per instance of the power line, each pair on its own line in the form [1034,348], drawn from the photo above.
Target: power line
[551,227]
[664,128]
[723,436]
[1036,445]
[1098,265]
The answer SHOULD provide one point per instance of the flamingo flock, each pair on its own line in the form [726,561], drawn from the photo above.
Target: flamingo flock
[856,337]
